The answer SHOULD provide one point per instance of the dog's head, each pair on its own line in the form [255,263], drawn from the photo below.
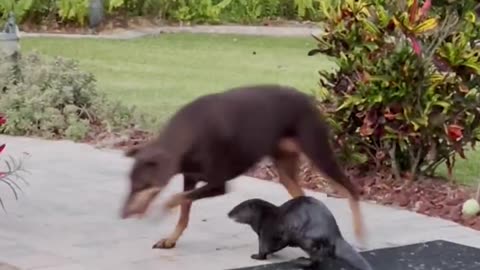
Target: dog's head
[152,170]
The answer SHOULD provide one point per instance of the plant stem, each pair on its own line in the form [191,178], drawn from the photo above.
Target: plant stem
[477,196]
[395,169]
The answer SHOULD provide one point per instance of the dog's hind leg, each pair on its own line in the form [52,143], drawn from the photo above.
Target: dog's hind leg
[287,163]
[189,182]
[313,138]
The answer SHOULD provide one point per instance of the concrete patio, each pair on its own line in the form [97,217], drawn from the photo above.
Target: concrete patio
[68,218]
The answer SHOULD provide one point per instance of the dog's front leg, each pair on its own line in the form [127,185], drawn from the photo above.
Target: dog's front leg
[189,183]
[206,191]
[171,240]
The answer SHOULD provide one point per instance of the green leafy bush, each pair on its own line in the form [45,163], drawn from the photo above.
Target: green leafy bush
[47,10]
[20,8]
[253,11]
[405,95]
[54,98]
[12,171]
[199,11]
[249,11]
[192,11]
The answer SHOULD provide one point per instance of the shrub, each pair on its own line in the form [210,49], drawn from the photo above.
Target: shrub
[54,98]
[253,11]
[40,10]
[198,11]
[192,11]
[12,173]
[405,95]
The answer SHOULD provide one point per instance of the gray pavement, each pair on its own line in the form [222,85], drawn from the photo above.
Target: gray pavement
[67,219]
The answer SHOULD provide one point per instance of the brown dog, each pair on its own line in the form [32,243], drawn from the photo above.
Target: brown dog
[220,136]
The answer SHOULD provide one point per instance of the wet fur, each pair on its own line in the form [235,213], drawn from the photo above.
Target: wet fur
[303,222]
[218,137]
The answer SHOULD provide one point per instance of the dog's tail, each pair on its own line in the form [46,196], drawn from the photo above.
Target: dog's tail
[348,254]
[313,138]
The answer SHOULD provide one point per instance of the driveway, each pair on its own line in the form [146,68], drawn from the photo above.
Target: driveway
[68,218]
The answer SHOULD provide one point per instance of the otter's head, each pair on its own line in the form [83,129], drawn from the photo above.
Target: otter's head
[152,170]
[251,211]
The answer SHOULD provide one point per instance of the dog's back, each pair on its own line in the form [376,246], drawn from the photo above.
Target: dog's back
[247,120]
[223,135]
[218,137]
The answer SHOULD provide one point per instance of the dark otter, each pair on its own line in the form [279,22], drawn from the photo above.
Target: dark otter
[303,222]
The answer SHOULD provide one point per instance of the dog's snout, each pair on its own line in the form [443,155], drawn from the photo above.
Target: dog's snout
[138,202]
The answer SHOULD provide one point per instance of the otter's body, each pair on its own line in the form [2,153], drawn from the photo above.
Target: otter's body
[303,222]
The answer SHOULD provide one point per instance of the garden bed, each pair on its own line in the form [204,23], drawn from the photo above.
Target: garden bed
[431,197]
[118,25]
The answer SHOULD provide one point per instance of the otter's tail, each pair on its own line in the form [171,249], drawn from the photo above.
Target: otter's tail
[347,253]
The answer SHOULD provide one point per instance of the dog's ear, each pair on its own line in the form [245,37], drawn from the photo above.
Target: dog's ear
[133,151]
[150,154]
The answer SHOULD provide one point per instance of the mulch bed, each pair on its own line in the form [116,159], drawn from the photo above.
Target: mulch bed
[109,25]
[431,197]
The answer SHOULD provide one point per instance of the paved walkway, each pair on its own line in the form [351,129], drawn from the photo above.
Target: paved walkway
[68,218]
[274,31]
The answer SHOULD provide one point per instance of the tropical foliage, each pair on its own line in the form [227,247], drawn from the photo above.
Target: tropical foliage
[196,11]
[12,171]
[406,92]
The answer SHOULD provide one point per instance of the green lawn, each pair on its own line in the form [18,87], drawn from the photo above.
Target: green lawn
[466,171]
[160,74]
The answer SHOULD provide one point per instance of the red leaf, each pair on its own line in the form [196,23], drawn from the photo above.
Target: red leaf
[417,48]
[455,132]
[2,147]
[425,8]
[365,77]
[3,120]
[366,130]
[463,88]
[413,11]
[368,123]
[389,115]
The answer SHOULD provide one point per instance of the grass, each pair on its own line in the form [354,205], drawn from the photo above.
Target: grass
[160,74]
[466,171]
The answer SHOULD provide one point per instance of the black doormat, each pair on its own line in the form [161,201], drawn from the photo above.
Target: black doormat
[433,255]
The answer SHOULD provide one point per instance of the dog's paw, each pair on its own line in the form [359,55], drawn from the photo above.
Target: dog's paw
[164,244]
[259,257]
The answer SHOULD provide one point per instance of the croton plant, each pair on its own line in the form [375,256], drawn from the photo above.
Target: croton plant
[405,95]
[10,173]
